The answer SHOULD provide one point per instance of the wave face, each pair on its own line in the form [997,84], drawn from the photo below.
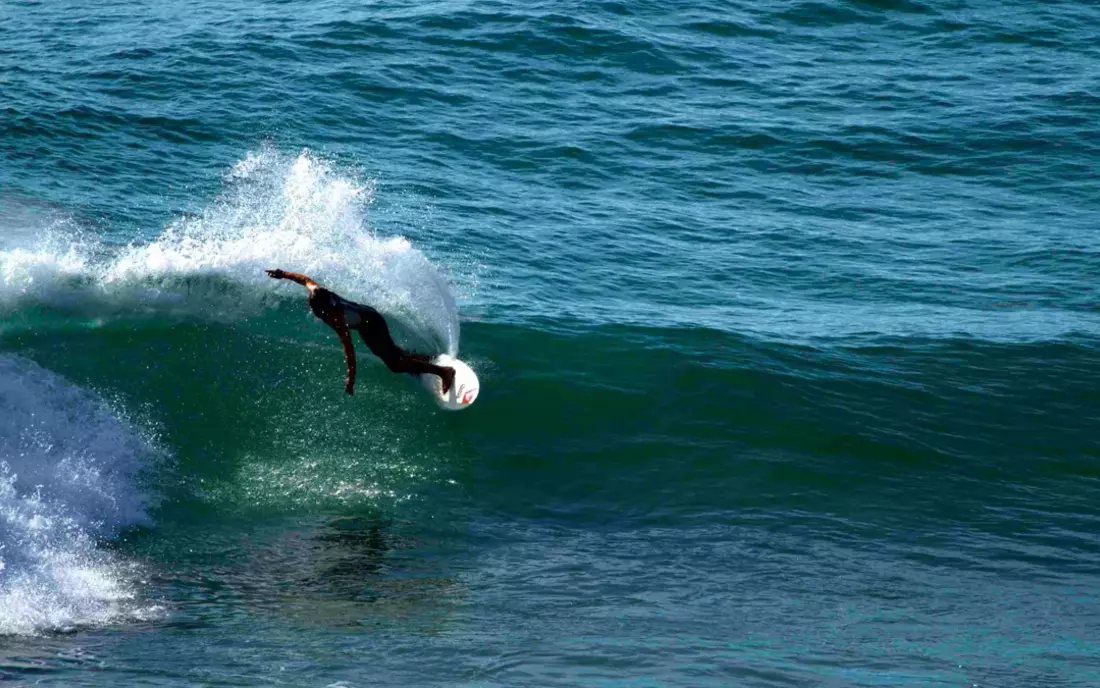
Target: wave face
[70,475]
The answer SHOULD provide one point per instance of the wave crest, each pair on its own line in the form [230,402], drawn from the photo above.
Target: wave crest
[298,213]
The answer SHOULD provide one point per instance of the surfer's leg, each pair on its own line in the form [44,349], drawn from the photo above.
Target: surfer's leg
[376,335]
[418,364]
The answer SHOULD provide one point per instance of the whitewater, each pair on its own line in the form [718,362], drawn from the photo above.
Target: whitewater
[73,473]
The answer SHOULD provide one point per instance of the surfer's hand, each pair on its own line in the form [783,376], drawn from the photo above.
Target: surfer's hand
[349,387]
[275,274]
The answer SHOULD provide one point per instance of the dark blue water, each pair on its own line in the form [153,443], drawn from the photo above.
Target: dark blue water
[787,316]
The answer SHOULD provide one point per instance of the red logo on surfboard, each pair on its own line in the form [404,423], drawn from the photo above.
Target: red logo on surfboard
[468,395]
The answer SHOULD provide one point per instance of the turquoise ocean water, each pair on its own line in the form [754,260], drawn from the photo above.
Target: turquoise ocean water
[787,315]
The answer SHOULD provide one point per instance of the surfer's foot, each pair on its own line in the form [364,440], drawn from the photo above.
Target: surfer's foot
[447,376]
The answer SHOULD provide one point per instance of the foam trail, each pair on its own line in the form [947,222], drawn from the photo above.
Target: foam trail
[69,475]
[298,213]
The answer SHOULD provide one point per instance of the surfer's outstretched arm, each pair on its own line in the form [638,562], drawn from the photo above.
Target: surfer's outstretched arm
[293,277]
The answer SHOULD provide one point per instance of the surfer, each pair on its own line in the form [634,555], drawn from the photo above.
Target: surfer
[343,315]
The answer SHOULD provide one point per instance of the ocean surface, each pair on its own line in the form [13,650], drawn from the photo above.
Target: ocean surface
[787,317]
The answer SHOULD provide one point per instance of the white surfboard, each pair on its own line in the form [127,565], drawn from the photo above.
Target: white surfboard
[462,393]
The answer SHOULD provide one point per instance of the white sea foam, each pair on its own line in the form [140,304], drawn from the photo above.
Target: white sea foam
[70,473]
[297,213]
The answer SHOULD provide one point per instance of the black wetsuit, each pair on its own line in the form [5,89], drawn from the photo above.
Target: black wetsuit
[372,328]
